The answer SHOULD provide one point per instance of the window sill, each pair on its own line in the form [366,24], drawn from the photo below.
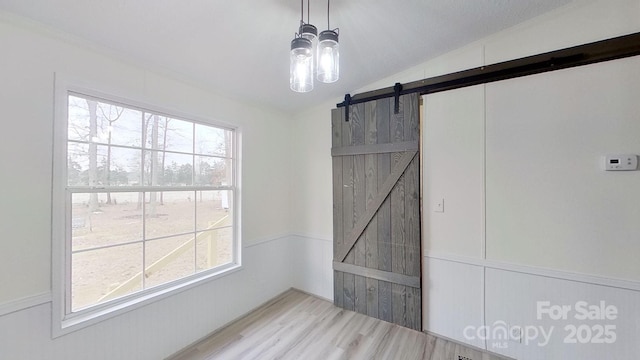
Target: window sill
[110,310]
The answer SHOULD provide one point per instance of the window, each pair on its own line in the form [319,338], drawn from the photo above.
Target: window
[149,203]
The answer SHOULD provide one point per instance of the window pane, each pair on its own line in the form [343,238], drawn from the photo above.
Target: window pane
[214,248]
[124,166]
[77,164]
[78,121]
[102,219]
[214,209]
[169,213]
[178,169]
[164,133]
[86,164]
[125,125]
[169,259]
[105,274]
[95,121]
[213,171]
[213,141]
[154,131]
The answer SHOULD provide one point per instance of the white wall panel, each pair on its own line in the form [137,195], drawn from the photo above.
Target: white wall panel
[512,298]
[453,167]
[453,299]
[311,181]
[313,262]
[549,202]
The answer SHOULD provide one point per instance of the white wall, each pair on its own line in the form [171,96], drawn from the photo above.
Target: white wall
[310,189]
[454,148]
[558,228]
[489,257]
[549,204]
[311,173]
[522,158]
[30,56]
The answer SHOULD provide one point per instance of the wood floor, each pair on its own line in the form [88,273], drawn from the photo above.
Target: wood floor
[298,326]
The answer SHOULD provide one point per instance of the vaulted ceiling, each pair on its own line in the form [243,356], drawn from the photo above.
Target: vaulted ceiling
[241,48]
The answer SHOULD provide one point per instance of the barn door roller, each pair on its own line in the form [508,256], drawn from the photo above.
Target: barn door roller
[347,102]
[397,88]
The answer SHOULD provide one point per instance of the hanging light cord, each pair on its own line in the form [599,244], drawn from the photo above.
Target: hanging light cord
[308,12]
[328,27]
[301,11]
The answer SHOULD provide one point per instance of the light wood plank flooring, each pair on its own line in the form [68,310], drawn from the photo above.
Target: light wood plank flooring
[298,326]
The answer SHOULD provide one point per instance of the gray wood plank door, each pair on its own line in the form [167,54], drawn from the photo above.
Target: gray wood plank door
[376,210]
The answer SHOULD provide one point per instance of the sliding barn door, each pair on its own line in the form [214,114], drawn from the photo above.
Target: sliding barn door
[376,210]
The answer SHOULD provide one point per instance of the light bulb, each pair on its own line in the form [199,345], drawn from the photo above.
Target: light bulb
[301,65]
[326,60]
[328,57]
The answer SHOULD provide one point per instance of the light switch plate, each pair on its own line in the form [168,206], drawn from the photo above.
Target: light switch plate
[439,206]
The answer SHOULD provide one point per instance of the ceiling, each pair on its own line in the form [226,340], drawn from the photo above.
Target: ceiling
[240,48]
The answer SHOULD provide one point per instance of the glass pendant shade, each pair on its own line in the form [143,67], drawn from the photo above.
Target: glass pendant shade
[301,67]
[328,64]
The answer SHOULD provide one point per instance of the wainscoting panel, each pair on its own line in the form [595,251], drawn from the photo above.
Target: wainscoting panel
[514,299]
[314,273]
[159,329]
[453,299]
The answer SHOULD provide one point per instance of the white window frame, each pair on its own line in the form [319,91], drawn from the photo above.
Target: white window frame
[63,320]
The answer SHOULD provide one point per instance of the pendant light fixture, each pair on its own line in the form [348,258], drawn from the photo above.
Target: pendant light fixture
[301,55]
[328,64]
